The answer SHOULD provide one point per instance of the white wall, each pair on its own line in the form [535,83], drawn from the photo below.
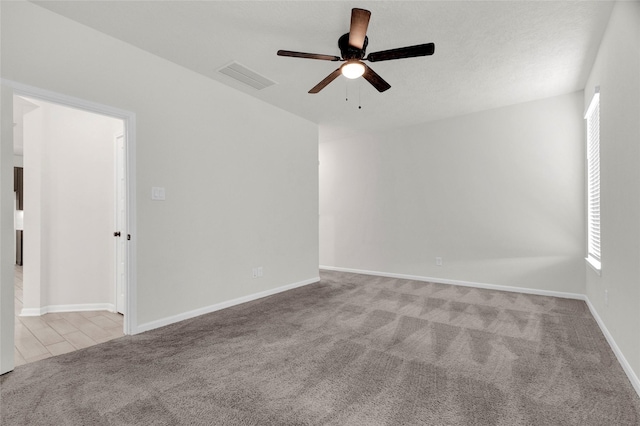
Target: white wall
[617,72]
[497,194]
[72,198]
[240,175]
[33,133]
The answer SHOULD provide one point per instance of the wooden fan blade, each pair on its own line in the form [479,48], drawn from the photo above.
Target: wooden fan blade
[402,52]
[328,79]
[308,55]
[375,80]
[359,23]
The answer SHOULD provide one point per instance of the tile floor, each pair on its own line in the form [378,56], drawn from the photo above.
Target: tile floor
[58,333]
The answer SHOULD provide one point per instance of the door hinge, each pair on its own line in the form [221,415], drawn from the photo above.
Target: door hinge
[116,234]
[128,236]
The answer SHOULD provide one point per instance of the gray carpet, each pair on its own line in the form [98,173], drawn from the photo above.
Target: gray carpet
[350,350]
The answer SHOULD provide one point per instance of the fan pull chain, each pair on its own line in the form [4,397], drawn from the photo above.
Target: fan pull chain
[346,93]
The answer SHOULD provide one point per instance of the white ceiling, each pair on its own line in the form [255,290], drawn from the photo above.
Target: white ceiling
[488,54]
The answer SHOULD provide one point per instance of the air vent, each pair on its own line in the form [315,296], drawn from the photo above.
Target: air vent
[246,76]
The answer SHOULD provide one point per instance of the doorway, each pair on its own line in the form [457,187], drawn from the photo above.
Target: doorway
[68,214]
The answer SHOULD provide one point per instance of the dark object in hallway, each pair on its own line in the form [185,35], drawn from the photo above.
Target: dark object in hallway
[19,247]
[18,188]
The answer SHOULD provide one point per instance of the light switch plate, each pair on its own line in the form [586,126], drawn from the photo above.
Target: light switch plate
[157,193]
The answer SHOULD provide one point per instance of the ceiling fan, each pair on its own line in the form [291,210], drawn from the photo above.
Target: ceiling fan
[352,48]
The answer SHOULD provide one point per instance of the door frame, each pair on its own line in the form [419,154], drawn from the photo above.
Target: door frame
[130,323]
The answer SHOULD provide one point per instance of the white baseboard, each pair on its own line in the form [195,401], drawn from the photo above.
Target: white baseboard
[36,312]
[525,290]
[633,378]
[218,306]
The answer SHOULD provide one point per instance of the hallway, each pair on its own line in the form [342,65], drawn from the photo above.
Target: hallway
[53,334]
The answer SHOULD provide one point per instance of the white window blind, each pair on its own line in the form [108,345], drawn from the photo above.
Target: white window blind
[593,182]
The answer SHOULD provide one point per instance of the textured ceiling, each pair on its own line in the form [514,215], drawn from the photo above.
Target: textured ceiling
[488,54]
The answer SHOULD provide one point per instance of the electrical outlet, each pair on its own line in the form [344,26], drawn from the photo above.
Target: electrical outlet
[606,297]
[438,261]
[254,272]
[158,193]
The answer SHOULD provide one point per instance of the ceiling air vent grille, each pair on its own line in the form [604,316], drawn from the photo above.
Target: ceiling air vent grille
[246,76]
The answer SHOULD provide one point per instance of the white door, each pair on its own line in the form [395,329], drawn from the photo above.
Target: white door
[121,235]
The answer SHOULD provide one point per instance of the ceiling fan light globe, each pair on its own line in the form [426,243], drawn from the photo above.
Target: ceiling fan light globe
[353,69]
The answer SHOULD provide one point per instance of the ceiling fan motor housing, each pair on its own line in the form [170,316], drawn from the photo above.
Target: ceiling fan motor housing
[349,52]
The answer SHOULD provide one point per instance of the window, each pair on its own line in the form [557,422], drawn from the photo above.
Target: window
[593,182]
